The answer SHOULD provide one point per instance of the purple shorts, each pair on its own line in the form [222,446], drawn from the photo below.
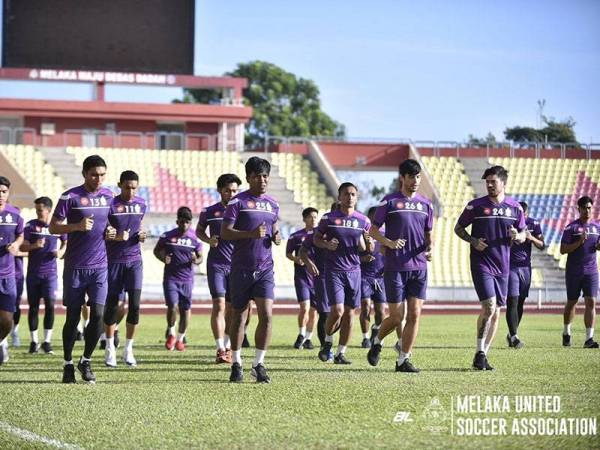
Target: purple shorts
[321,302]
[41,286]
[587,283]
[125,276]
[218,281]
[305,291]
[343,287]
[8,294]
[373,288]
[490,286]
[401,285]
[248,284]
[79,282]
[178,293]
[519,281]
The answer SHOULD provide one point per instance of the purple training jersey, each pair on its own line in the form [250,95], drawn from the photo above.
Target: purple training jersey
[295,241]
[407,218]
[211,218]
[373,269]
[348,230]
[247,212]
[180,248]
[126,216]
[520,254]
[86,249]
[11,227]
[42,261]
[316,255]
[492,222]
[583,260]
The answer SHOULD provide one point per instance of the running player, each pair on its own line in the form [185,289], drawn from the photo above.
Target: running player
[408,220]
[346,230]
[218,264]
[519,279]
[179,249]
[125,267]
[497,222]
[85,210]
[251,222]
[372,289]
[581,241]
[11,237]
[303,280]
[42,278]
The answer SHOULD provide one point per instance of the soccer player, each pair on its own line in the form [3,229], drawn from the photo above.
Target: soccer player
[346,230]
[179,249]
[42,278]
[251,222]
[580,241]
[497,222]
[11,238]
[20,281]
[519,279]
[372,288]
[303,280]
[85,210]
[408,220]
[218,264]
[125,267]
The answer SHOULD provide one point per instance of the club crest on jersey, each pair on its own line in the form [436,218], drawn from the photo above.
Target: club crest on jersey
[120,208]
[251,204]
[487,211]
[580,229]
[338,221]
[400,205]
[217,213]
[84,201]
[173,239]
[38,229]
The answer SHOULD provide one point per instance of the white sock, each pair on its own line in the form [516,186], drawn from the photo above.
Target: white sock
[110,343]
[302,330]
[259,357]
[80,327]
[16,328]
[514,338]
[47,335]
[341,349]
[172,331]
[34,336]
[128,344]
[103,337]
[180,336]
[377,340]
[227,341]
[403,357]
[400,343]
[567,329]
[86,323]
[365,335]
[487,348]
[376,327]
[481,345]
[308,335]
[329,338]
[589,333]
[237,356]
[83,358]
[220,344]
[66,363]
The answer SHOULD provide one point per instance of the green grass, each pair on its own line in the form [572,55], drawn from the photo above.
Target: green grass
[183,400]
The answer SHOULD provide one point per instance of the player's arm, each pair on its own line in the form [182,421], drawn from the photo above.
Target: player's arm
[538,240]
[570,248]
[197,257]
[27,246]
[320,242]
[201,234]
[428,245]
[461,232]
[60,253]
[309,263]
[58,226]
[13,247]
[159,252]
[231,234]
[385,242]
[275,234]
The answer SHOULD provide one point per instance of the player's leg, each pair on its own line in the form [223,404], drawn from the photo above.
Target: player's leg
[310,325]
[484,320]
[590,291]
[184,290]
[34,296]
[512,305]
[246,342]
[262,337]
[110,313]
[97,290]
[304,307]
[352,294]
[332,324]
[49,290]
[240,289]
[414,306]
[8,294]
[574,290]
[379,300]
[365,319]
[171,302]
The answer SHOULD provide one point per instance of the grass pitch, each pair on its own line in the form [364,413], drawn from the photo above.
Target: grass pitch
[184,400]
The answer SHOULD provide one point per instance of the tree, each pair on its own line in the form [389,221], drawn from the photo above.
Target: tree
[522,134]
[474,141]
[283,104]
[553,131]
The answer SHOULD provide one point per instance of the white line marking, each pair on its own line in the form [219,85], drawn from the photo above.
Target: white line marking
[32,437]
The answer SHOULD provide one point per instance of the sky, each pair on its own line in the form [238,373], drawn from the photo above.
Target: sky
[387,69]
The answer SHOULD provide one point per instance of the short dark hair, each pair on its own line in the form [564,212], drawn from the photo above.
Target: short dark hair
[345,185]
[524,205]
[409,167]
[227,178]
[308,211]
[47,202]
[184,213]
[584,201]
[257,165]
[93,161]
[334,206]
[499,171]
[371,211]
[4,181]
[128,175]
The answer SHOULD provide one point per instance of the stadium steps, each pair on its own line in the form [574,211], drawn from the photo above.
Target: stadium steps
[554,277]
[64,164]
[474,168]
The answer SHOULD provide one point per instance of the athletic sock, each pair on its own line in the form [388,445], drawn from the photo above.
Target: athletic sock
[259,357]
[302,330]
[219,343]
[110,343]
[341,350]
[567,329]
[66,363]
[308,335]
[237,356]
[227,341]
[481,345]
[83,358]
[365,335]
[589,333]
[514,338]
[86,323]
[403,357]
[47,335]
[180,336]
[103,337]
[172,331]
[329,338]
[34,336]
[15,329]
[129,344]
[378,341]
